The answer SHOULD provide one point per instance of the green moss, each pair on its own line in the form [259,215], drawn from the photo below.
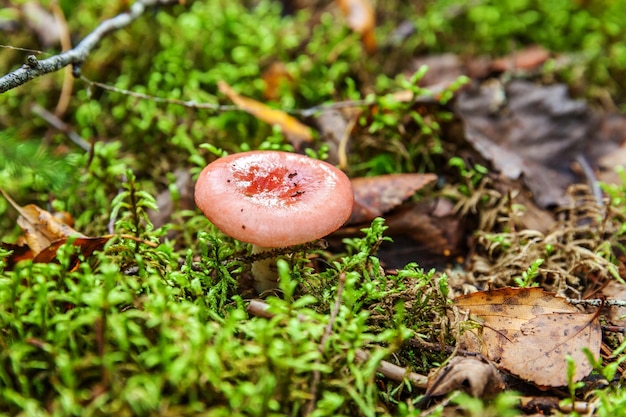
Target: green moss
[152,326]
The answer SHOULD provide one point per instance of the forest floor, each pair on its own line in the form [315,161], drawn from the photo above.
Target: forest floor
[479,273]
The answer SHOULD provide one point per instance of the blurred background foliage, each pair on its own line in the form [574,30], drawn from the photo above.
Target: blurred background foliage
[182,51]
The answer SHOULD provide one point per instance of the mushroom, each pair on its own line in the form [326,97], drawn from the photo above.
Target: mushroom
[273,199]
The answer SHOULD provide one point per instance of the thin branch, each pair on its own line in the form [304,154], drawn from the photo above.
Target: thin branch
[189,104]
[192,104]
[597,302]
[34,68]
[15,48]
[308,112]
[60,125]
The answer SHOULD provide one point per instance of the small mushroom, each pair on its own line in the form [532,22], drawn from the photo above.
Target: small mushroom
[273,199]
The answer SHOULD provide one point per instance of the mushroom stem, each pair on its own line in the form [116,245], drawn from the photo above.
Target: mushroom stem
[264,271]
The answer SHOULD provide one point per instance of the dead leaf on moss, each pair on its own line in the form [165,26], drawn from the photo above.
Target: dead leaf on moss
[524,128]
[375,196]
[19,253]
[87,245]
[443,70]
[525,59]
[428,232]
[529,332]
[361,18]
[295,131]
[44,234]
[476,376]
[275,76]
[39,226]
[432,224]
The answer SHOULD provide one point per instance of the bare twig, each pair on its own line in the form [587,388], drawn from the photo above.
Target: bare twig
[395,372]
[597,302]
[15,48]
[34,68]
[190,103]
[59,124]
[308,112]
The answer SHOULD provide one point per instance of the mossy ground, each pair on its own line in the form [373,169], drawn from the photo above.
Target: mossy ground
[162,329]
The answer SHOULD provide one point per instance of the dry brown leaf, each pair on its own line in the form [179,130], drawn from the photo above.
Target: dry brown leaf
[428,232]
[39,226]
[612,141]
[291,127]
[529,129]
[19,253]
[476,376]
[361,18]
[88,245]
[375,196]
[44,234]
[275,76]
[529,332]
[525,59]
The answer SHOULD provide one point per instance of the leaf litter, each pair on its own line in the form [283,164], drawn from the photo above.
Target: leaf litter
[527,131]
[44,233]
[529,332]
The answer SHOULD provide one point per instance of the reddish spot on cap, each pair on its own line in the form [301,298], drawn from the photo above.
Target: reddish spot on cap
[274,199]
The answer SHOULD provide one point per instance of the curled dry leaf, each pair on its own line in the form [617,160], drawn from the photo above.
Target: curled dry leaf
[291,127]
[87,245]
[361,18]
[44,234]
[375,196]
[39,226]
[529,332]
[476,376]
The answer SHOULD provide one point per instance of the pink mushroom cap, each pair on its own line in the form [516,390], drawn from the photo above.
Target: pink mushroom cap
[274,199]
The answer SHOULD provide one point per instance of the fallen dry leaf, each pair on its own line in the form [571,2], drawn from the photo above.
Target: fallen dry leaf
[529,129]
[478,377]
[19,253]
[428,232]
[525,59]
[40,227]
[44,235]
[361,18]
[275,76]
[375,196]
[335,127]
[87,245]
[443,70]
[612,135]
[529,332]
[295,131]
